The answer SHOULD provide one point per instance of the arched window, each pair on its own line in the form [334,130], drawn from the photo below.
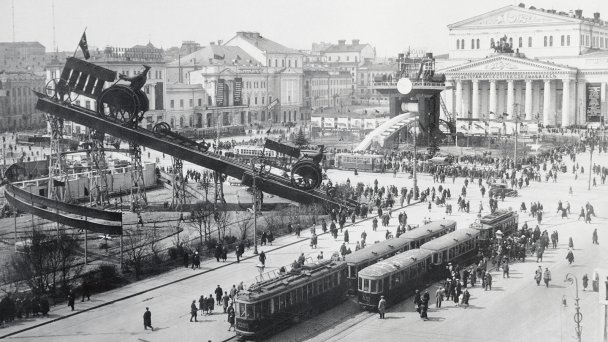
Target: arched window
[529,41]
[545,40]
[472,44]
[568,40]
[550,40]
[563,40]
[511,42]
[477,43]
[521,41]
[457,44]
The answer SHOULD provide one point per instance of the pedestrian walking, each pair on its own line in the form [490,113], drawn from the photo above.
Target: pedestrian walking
[233,293]
[202,304]
[193,311]
[86,290]
[570,257]
[538,275]
[585,282]
[547,276]
[423,312]
[382,307]
[594,237]
[225,301]
[488,281]
[262,258]
[231,317]
[148,320]
[210,304]
[71,299]
[505,270]
[218,295]
[439,294]
[465,298]
[570,243]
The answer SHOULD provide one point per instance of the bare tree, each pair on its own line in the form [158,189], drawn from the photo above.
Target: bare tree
[138,245]
[221,220]
[200,219]
[244,222]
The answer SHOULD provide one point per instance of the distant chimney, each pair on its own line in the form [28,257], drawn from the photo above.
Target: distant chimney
[355,41]
[578,13]
[596,15]
[522,5]
[341,42]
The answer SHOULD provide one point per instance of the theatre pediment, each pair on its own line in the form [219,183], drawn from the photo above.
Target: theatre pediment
[513,16]
[506,64]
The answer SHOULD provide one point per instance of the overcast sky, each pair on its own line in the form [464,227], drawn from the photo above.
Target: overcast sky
[389,25]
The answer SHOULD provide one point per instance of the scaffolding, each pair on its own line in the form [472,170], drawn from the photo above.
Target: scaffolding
[99,188]
[179,191]
[57,165]
[138,189]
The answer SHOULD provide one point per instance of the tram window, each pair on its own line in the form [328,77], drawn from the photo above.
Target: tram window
[351,272]
[249,308]
[242,310]
[366,285]
[282,302]
[360,287]
[265,309]
[288,301]
[380,283]
[275,302]
[372,286]
[257,310]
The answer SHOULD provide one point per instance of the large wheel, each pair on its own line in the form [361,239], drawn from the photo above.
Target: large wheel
[306,175]
[58,89]
[119,103]
[161,127]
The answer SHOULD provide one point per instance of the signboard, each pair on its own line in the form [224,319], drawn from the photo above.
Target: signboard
[238,90]
[219,93]
[593,104]
[249,71]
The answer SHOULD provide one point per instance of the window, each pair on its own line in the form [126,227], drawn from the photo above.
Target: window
[263,99]
[373,285]
[457,44]
[200,102]
[296,63]
[562,40]
[550,40]
[87,104]
[255,100]
[472,44]
[160,74]
[477,43]
[348,58]
[172,105]
[529,41]
[181,103]
[289,63]
[545,40]
[191,102]
[282,63]
[521,41]
[568,40]
[366,285]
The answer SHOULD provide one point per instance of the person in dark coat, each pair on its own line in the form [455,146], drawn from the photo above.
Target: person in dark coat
[71,299]
[263,239]
[465,298]
[86,291]
[423,314]
[231,317]
[570,257]
[270,237]
[186,259]
[202,304]
[210,304]
[193,311]
[262,258]
[148,320]
[218,295]
[346,236]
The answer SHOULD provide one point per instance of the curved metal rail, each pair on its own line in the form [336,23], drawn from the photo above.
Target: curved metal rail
[181,147]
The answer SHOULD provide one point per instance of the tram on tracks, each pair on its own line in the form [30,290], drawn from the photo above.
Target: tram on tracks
[360,162]
[385,249]
[506,221]
[276,303]
[397,277]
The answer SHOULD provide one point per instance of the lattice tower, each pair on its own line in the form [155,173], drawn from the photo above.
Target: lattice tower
[179,191]
[99,187]
[138,190]
[57,165]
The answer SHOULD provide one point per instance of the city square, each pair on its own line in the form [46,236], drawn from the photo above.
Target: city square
[254,189]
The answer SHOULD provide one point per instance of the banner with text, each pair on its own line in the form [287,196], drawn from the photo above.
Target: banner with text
[219,93]
[593,104]
[238,90]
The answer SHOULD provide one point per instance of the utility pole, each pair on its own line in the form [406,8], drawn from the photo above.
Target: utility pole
[415,161]
[591,145]
[255,209]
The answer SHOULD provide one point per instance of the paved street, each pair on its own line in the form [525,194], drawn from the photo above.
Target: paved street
[116,315]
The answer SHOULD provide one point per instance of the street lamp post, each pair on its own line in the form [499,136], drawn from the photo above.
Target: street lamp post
[591,146]
[415,162]
[578,316]
[255,208]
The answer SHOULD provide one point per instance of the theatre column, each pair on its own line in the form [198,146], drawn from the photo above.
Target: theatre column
[510,98]
[528,100]
[492,108]
[547,103]
[566,103]
[458,107]
[475,105]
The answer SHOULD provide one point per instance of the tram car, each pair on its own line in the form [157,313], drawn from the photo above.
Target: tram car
[361,162]
[394,278]
[273,304]
[397,277]
[385,249]
[504,220]
[248,151]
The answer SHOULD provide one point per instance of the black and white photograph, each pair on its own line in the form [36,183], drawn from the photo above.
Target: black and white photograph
[299,171]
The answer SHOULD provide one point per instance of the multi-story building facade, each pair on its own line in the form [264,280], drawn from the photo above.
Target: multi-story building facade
[547,66]
[326,88]
[18,102]
[126,61]
[22,56]
[184,103]
[284,67]
[370,73]
[349,57]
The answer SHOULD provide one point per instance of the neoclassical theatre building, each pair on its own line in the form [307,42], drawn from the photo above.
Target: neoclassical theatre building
[540,65]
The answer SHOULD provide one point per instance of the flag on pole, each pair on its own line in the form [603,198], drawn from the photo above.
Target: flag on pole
[84,46]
